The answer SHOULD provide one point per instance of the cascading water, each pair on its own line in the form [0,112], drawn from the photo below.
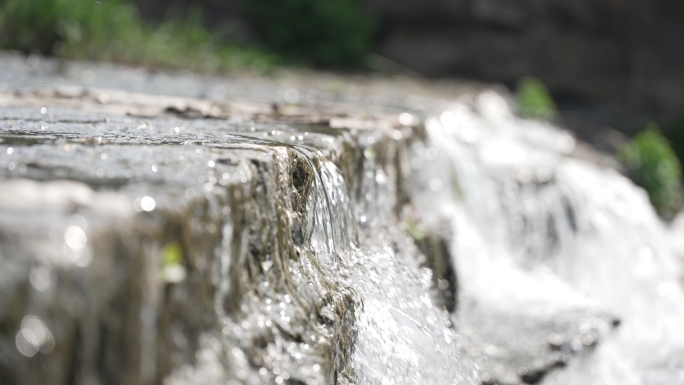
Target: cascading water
[540,230]
[420,242]
[289,289]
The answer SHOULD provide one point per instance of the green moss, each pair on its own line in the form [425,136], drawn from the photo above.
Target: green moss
[330,33]
[674,131]
[534,99]
[414,227]
[113,30]
[172,269]
[172,254]
[653,164]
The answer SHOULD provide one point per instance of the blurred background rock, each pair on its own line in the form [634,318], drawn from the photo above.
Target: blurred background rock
[611,67]
[626,54]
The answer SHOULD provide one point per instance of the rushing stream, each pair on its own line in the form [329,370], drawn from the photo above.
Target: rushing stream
[526,208]
[154,239]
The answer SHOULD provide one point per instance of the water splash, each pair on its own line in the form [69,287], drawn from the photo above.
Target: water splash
[532,219]
[325,251]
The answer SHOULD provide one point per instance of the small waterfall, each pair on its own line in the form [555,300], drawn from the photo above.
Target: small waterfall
[257,261]
[363,281]
[167,240]
[541,235]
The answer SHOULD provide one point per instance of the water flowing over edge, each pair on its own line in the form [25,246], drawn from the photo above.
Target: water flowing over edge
[306,250]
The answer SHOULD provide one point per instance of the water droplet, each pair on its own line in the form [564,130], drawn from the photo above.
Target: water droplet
[24,345]
[313,96]
[75,238]
[174,273]
[147,203]
[40,278]
[589,339]
[448,118]
[103,98]
[397,135]
[405,119]
[291,95]
[43,110]
[10,151]
[33,337]
[435,184]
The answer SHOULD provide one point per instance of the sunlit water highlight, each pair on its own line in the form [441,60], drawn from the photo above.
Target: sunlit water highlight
[579,230]
[229,251]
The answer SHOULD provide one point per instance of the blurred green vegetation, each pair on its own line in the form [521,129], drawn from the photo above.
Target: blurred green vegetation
[674,131]
[534,99]
[653,164]
[112,30]
[415,227]
[172,254]
[327,33]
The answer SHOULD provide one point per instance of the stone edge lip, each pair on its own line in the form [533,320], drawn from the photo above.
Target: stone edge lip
[119,102]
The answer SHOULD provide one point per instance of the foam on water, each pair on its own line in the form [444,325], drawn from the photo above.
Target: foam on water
[299,247]
[523,208]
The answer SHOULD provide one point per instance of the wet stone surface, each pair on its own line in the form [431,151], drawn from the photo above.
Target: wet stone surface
[165,228]
[153,247]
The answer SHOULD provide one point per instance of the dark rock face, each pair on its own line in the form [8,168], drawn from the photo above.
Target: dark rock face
[435,248]
[601,50]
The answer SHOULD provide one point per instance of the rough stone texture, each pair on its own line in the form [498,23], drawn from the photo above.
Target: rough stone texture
[243,195]
[114,311]
[236,183]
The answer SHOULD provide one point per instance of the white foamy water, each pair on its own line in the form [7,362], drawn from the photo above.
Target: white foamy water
[540,233]
[300,245]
